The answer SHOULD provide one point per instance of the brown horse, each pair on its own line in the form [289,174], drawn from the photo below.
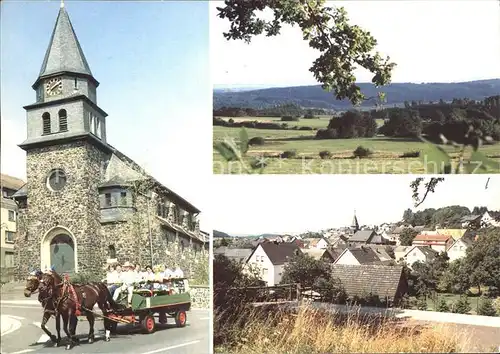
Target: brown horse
[71,299]
[32,286]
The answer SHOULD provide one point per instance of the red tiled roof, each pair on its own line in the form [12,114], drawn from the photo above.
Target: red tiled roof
[442,238]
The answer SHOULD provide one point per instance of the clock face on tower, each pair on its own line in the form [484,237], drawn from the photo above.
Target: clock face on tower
[53,86]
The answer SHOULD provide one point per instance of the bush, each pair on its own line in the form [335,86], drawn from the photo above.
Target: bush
[309,115]
[362,152]
[462,305]
[289,154]
[230,121]
[289,119]
[325,154]
[306,128]
[256,140]
[486,307]
[327,134]
[496,305]
[442,306]
[422,304]
[410,154]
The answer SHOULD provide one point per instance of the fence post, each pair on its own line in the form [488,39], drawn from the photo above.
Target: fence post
[298,292]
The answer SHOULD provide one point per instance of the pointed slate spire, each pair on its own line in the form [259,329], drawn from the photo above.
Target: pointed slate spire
[64,52]
[355,224]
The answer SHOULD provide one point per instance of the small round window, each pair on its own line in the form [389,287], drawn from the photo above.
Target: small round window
[56,180]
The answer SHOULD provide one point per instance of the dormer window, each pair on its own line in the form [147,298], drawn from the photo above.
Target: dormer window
[76,84]
[46,123]
[63,121]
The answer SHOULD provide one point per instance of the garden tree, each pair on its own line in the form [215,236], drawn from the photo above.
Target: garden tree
[422,304]
[486,307]
[408,216]
[482,261]
[442,306]
[455,279]
[343,46]
[450,216]
[479,210]
[462,305]
[406,237]
[304,269]
[309,272]
[424,278]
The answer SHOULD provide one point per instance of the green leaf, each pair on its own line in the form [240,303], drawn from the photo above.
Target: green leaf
[435,159]
[243,141]
[226,151]
[485,163]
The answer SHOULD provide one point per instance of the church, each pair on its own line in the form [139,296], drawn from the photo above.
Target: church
[85,204]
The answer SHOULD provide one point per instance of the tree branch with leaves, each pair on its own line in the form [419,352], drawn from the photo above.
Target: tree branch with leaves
[343,47]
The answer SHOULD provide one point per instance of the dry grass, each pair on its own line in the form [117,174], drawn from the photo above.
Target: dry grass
[311,331]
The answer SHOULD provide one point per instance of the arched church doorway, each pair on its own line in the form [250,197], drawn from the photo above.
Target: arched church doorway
[62,254]
[59,249]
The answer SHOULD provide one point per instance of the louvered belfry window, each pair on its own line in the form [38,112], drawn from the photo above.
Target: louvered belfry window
[46,123]
[63,120]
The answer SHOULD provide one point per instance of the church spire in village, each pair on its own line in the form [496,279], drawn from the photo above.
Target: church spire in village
[64,53]
[355,224]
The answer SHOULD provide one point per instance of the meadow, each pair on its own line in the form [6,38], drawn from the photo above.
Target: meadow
[386,157]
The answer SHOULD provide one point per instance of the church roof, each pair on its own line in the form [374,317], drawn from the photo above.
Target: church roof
[64,52]
[355,223]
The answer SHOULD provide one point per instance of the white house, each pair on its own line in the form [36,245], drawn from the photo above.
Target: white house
[270,258]
[400,252]
[458,248]
[357,256]
[439,243]
[322,244]
[489,220]
[422,254]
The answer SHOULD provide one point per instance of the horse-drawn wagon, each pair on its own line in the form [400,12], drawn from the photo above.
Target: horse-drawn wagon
[149,303]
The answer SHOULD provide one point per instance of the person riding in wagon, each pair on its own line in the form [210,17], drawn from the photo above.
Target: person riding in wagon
[128,278]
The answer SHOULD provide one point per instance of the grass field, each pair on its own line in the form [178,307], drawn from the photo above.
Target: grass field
[386,156]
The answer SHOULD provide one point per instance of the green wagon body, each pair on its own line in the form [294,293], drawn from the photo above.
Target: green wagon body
[146,304]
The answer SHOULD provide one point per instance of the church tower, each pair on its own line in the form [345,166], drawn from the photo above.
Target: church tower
[65,152]
[355,224]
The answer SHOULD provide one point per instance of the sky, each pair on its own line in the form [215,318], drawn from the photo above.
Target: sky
[151,61]
[431,41]
[299,203]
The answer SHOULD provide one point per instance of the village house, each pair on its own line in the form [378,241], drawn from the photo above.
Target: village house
[400,252]
[478,221]
[85,203]
[364,237]
[421,254]
[458,249]
[318,243]
[325,255]
[439,243]
[9,185]
[270,258]
[388,283]
[236,254]
[357,256]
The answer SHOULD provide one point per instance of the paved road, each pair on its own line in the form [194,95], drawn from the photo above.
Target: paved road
[25,336]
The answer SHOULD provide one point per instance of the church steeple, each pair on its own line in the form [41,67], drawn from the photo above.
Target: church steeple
[64,53]
[355,224]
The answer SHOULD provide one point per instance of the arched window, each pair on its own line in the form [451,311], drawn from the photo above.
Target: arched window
[111,252]
[63,120]
[46,123]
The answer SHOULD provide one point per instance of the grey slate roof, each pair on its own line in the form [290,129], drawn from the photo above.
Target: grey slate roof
[365,255]
[362,236]
[428,252]
[381,280]
[468,218]
[22,192]
[64,52]
[279,253]
[116,181]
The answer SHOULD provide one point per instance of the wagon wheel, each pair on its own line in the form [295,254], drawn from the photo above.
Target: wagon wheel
[180,318]
[148,324]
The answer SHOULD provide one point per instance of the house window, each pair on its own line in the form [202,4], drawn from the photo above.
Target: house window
[9,259]
[264,272]
[98,127]
[46,123]
[76,83]
[107,199]
[63,121]
[111,252]
[9,236]
[123,198]
[12,215]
